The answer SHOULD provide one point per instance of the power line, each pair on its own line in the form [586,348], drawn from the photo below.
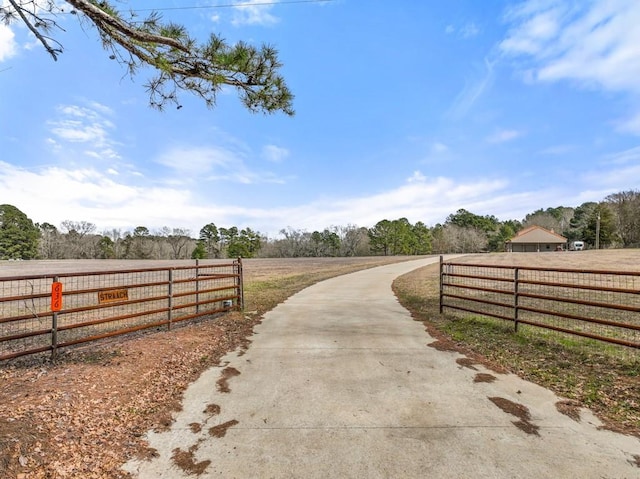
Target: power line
[230,5]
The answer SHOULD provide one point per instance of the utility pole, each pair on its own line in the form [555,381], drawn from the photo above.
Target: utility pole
[598,231]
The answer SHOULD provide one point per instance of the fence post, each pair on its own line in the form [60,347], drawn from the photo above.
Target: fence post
[441,278]
[240,286]
[54,329]
[170,299]
[197,286]
[516,285]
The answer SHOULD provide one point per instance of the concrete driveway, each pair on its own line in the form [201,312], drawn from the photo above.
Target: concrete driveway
[341,382]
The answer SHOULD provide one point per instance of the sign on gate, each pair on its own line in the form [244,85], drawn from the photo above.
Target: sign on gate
[56,296]
[113,296]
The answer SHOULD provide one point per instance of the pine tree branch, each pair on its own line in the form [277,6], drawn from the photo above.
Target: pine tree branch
[100,17]
[181,63]
[20,11]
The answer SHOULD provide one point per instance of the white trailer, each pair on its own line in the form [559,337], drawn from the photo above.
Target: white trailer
[576,246]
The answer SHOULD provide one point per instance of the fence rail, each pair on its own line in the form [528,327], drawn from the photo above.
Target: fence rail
[41,313]
[595,304]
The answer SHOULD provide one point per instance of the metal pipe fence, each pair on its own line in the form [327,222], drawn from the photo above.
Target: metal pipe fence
[595,304]
[41,313]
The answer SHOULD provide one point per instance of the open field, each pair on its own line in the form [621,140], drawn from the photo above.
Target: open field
[85,415]
[616,259]
[255,268]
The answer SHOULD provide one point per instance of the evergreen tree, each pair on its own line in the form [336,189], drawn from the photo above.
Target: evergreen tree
[182,64]
[199,252]
[18,235]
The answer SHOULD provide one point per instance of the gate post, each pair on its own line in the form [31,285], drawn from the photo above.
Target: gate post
[516,286]
[240,284]
[441,281]
[54,327]
[197,286]
[170,299]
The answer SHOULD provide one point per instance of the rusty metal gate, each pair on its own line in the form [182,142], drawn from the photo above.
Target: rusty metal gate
[41,313]
[600,305]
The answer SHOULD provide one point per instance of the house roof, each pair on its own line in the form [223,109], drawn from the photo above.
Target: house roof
[537,234]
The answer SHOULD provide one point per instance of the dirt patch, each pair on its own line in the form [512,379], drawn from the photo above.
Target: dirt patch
[86,414]
[484,378]
[223,382]
[467,363]
[518,410]
[443,345]
[569,408]
[221,429]
[636,461]
[195,427]
[212,410]
[185,460]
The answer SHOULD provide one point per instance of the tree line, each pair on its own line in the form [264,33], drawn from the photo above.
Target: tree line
[615,221]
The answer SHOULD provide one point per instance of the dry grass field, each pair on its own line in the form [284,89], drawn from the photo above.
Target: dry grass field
[606,260]
[86,414]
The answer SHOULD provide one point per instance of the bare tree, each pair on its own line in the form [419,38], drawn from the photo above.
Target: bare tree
[626,207]
[178,239]
[79,240]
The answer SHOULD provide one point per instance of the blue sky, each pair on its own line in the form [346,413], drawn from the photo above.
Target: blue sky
[403,109]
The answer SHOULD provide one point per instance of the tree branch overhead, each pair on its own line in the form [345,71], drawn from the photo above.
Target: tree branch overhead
[182,63]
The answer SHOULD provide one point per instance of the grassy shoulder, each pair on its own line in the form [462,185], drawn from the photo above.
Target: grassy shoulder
[605,381]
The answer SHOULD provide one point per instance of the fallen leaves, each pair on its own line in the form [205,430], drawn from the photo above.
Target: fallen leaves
[80,418]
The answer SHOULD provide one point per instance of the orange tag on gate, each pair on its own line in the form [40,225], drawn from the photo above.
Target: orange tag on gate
[56,296]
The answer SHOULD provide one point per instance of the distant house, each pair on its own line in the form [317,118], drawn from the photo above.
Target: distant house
[535,239]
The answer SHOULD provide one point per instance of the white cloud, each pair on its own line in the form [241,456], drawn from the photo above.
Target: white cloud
[87,125]
[55,194]
[416,177]
[623,157]
[613,180]
[438,147]
[558,150]
[630,125]
[275,154]
[422,198]
[592,43]
[502,136]
[253,12]
[8,45]
[617,171]
[469,30]
[213,163]
[472,91]
[535,24]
